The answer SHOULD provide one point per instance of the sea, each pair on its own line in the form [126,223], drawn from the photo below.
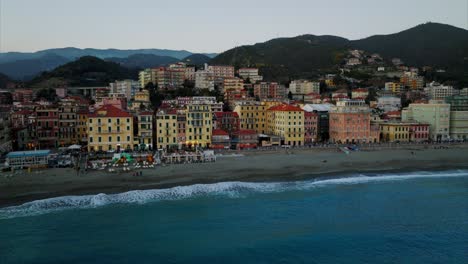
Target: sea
[417,217]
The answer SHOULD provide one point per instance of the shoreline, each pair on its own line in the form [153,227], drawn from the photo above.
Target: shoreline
[299,165]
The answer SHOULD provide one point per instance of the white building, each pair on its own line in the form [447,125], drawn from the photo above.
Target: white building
[204,79]
[389,103]
[435,113]
[251,74]
[437,91]
[304,87]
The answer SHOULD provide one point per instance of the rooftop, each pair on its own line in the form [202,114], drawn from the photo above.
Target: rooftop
[286,108]
[109,111]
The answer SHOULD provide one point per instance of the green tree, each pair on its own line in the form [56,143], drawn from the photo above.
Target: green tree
[48,94]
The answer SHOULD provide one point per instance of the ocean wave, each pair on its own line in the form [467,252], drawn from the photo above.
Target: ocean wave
[227,189]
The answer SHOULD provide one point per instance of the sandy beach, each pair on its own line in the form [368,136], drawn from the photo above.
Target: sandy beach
[253,167]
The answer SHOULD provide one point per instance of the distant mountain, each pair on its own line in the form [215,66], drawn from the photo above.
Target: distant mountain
[86,71]
[298,56]
[197,59]
[429,44]
[5,81]
[24,69]
[26,65]
[144,61]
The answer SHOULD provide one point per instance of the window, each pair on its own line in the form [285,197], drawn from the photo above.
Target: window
[91,139]
[99,139]
[128,138]
[110,138]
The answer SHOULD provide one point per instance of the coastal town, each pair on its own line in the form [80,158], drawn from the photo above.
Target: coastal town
[186,113]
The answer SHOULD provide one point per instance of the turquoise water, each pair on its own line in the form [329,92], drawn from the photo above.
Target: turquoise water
[406,218]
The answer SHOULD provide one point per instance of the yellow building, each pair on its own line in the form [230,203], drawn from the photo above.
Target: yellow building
[404,132]
[233,84]
[146,76]
[166,129]
[199,125]
[287,122]
[252,114]
[141,98]
[394,87]
[110,128]
[82,127]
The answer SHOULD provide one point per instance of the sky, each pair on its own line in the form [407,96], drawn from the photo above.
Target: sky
[207,25]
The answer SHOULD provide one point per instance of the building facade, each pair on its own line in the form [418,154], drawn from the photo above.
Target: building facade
[110,129]
[350,123]
[436,114]
[199,125]
[287,122]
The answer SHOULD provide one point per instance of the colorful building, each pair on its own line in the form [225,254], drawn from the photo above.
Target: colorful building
[82,127]
[110,128]
[166,129]
[227,121]
[403,132]
[287,122]
[221,139]
[310,127]
[266,90]
[47,127]
[252,116]
[199,125]
[245,139]
[350,123]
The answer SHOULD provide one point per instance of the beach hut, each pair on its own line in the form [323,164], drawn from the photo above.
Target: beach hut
[28,159]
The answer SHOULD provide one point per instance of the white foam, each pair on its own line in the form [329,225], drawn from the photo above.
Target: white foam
[227,189]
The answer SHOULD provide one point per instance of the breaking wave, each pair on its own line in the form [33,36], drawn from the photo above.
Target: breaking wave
[226,189]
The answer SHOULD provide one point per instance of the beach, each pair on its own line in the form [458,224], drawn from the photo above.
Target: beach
[284,165]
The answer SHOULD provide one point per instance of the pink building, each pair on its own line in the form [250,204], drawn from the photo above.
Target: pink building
[350,123]
[220,71]
[266,90]
[47,127]
[310,127]
[23,95]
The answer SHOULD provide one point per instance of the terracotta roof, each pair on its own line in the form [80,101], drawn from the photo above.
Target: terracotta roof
[285,107]
[23,112]
[110,111]
[219,132]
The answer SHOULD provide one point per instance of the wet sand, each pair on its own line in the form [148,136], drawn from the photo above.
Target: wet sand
[252,167]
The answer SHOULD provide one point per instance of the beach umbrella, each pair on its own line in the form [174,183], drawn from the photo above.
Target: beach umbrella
[74,147]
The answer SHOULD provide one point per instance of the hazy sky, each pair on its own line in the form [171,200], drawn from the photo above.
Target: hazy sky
[207,25]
